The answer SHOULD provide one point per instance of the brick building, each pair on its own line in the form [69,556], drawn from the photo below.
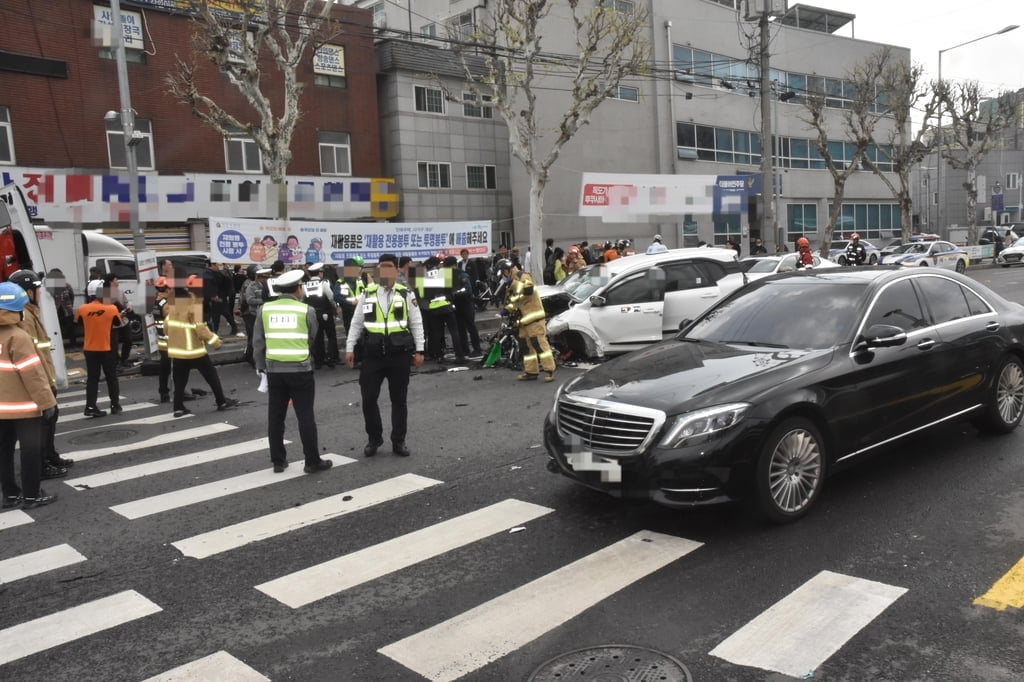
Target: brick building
[58,81]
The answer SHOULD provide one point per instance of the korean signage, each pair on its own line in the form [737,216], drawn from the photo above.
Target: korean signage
[329,60]
[131,22]
[618,196]
[235,240]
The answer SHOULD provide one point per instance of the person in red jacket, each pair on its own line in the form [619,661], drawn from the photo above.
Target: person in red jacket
[25,401]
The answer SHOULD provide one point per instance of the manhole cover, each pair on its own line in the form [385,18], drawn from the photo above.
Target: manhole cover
[102,436]
[615,663]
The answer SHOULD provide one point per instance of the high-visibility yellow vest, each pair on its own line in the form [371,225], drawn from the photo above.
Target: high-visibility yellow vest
[378,321]
[286,330]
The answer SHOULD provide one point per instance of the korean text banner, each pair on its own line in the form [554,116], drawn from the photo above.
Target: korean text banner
[242,240]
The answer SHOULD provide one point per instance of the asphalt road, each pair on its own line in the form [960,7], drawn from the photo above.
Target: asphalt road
[919,532]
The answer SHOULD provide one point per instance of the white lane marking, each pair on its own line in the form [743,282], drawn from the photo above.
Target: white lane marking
[240,534]
[217,666]
[800,631]
[65,626]
[314,583]
[10,519]
[473,639]
[211,491]
[162,439]
[69,394]
[78,416]
[171,463]
[81,403]
[38,562]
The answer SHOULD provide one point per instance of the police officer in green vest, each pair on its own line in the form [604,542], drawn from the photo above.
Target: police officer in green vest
[283,335]
[388,319]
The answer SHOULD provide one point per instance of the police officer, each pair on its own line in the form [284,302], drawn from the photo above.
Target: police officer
[284,333]
[320,297]
[436,294]
[388,318]
[856,254]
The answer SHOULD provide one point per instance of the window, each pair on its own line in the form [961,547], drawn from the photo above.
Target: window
[647,286]
[624,6]
[684,276]
[871,221]
[945,298]
[6,137]
[429,99]
[801,221]
[460,27]
[428,31]
[243,155]
[476,107]
[481,177]
[329,66]
[626,93]
[435,175]
[335,154]
[719,144]
[898,306]
[143,150]
[1012,179]
[379,16]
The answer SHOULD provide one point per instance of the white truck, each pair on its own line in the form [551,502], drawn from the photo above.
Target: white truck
[75,251]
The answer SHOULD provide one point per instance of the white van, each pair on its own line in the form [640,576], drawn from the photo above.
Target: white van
[634,301]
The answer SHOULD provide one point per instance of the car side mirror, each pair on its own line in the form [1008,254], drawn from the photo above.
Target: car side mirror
[597,301]
[684,324]
[880,336]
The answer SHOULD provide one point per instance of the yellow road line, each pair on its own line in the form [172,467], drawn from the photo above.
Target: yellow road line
[1008,590]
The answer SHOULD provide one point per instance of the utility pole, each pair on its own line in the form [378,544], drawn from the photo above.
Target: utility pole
[128,127]
[768,226]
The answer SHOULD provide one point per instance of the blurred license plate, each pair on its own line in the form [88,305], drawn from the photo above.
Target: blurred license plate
[611,471]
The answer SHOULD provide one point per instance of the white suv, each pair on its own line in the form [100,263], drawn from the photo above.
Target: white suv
[634,301]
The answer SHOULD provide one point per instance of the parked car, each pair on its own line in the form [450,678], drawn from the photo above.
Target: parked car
[768,393]
[1012,254]
[632,302]
[837,251]
[934,254]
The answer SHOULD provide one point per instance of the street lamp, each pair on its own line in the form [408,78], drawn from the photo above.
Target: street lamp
[938,175]
[132,137]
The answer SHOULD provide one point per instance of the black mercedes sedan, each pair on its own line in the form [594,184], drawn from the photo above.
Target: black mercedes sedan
[787,380]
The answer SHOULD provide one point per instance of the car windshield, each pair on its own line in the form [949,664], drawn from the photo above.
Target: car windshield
[785,313]
[570,283]
[764,265]
[841,245]
[916,247]
[590,280]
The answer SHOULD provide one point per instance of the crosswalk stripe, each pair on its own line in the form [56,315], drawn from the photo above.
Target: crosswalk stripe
[211,491]
[217,666]
[473,639]
[81,403]
[65,626]
[35,563]
[78,416]
[162,439]
[69,394]
[10,519]
[1007,591]
[314,583]
[171,463]
[800,631]
[293,518]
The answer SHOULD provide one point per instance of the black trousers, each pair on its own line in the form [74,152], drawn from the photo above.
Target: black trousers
[164,373]
[29,433]
[325,344]
[95,360]
[374,370]
[181,369]
[300,388]
[49,426]
[437,320]
[250,325]
[465,318]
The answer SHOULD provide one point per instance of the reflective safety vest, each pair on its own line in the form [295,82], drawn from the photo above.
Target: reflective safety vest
[313,288]
[524,298]
[394,320]
[158,316]
[184,341]
[286,330]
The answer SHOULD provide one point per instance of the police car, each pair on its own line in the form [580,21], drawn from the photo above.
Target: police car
[932,254]
[837,251]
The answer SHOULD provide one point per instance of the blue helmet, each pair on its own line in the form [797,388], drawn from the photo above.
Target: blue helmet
[12,297]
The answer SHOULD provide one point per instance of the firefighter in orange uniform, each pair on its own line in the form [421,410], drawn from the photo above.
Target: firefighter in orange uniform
[25,400]
[525,306]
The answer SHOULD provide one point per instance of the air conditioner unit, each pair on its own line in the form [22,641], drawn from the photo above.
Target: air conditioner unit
[686,154]
[683,77]
[753,9]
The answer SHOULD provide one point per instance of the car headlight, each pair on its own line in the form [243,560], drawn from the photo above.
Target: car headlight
[704,422]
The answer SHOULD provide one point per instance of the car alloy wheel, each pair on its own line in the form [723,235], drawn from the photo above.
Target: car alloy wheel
[790,471]
[1007,404]
[961,266]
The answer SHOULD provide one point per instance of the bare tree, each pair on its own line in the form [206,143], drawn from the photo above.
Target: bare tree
[857,124]
[901,90]
[236,41]
[609,46]
[977,123]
